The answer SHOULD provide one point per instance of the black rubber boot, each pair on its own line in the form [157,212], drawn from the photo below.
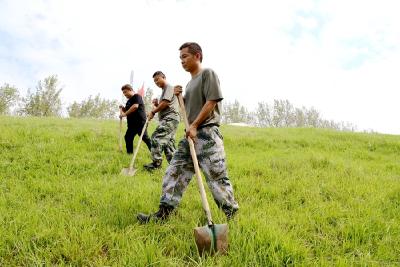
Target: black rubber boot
[162,214]
[229,212]
[152,166]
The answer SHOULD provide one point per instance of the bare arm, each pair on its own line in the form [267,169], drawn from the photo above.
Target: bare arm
[161,106]
[132,109]
[155,102]
[205,111]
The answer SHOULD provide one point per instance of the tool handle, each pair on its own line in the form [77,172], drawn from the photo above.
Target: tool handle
[204,200]
[138,144]
[120,134]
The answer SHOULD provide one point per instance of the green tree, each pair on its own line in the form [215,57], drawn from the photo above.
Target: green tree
[313,118]
[263,115]
[45,101]
[234,112]
[299,117]
[283,114]
[94,107]
[147,99]
[9,95]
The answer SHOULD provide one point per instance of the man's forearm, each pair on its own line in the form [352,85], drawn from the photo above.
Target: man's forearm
[132,109]
[161,106]
[205,111]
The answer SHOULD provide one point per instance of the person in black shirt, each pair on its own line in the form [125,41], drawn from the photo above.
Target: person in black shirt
[135,114]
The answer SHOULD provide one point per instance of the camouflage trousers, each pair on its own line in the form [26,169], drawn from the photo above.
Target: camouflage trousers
[211,157]
[163,140]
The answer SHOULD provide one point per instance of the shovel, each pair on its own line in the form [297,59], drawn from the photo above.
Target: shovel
[212,237]
[120,134]
[130,171]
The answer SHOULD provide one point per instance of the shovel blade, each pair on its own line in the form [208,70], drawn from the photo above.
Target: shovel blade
[128,171]
[205,236]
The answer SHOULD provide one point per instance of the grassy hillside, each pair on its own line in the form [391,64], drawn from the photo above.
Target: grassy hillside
[307,197]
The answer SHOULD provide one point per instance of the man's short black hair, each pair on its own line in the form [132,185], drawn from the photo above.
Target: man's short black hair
[159,73]
[193,49]
[127,86]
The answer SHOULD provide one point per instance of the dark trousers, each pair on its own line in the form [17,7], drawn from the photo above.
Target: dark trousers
[130,134]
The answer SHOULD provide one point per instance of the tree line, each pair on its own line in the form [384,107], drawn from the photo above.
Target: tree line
[281,113]
[45,101]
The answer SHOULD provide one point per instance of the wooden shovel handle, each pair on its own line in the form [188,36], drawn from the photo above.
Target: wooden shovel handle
[204,200]
[120,134]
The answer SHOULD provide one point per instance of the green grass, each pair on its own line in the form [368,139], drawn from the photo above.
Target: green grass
[306,196]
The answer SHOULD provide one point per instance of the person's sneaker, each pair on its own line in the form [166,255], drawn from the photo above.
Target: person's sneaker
[161,215]
[152,166]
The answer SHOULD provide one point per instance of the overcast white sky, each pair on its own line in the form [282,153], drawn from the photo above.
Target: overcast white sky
[341,57]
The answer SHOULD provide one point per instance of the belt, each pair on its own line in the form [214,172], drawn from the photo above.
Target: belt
[207,125]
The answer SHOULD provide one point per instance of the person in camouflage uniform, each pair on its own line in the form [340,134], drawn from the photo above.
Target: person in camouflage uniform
[163,138]
[203,105]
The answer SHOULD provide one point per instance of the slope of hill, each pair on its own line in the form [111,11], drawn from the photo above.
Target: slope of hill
[307,197]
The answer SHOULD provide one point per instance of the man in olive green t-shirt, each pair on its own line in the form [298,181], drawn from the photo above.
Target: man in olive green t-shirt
[202,103]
